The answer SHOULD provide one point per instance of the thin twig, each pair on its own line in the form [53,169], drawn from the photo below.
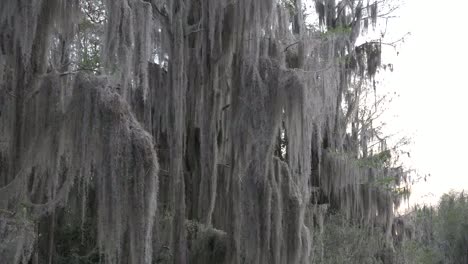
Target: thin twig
[78,70]
[290,45]
[7,212]
[10,94]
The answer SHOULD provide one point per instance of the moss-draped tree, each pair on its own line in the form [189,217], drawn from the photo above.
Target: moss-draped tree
[185,131]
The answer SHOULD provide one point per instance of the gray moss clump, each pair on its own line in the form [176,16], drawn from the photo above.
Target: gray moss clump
[206,244]
[17,236]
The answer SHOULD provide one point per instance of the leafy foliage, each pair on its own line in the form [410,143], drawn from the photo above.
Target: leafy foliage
[437,235]
[346,242]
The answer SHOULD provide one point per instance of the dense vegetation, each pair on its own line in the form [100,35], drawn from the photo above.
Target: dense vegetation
[437,234]
[424,235]
[194,131]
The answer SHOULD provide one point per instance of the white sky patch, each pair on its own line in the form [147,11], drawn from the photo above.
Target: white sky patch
[430,77]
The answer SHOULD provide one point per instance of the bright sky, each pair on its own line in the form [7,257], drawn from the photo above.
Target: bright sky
[430,77]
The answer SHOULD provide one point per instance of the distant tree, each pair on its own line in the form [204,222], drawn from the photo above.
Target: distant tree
[436,234]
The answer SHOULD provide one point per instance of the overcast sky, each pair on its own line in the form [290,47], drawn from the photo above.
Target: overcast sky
[431,78]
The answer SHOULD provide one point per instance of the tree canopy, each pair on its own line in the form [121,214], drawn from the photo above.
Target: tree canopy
[188,131]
